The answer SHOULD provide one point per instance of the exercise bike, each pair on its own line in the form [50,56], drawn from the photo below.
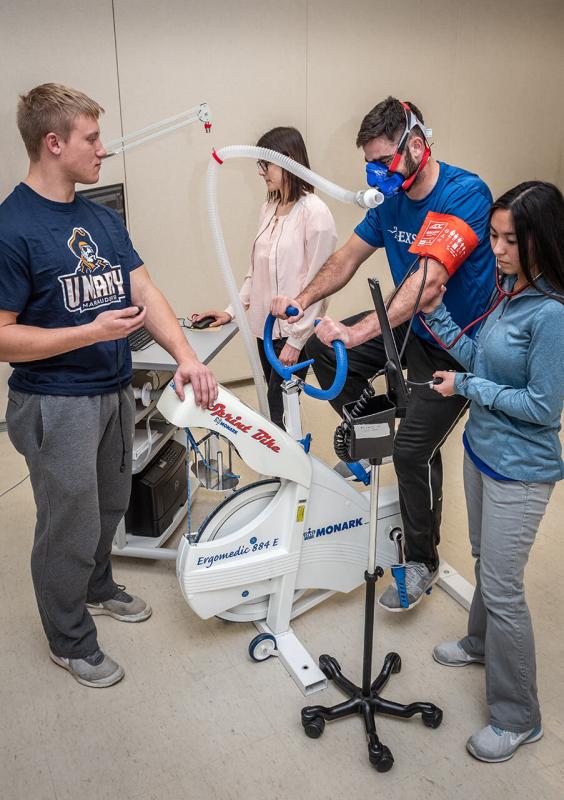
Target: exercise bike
[277,547]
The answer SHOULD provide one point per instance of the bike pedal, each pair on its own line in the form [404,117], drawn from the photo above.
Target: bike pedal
[398,573]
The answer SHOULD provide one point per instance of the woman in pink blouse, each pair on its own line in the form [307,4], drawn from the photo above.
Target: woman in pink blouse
[296,235]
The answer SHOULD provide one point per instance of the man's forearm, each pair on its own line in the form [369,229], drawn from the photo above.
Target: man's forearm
[401,309]
[19,343]
[333,275]
[163,326]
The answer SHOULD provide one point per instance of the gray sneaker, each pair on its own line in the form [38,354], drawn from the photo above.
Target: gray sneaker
[97,670]
[493,744]
[452,654]
[123,606]
[418,580]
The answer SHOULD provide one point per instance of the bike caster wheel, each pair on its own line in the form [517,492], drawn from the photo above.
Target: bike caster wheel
[434,719]
[262,647]
[382,759]
[314,727]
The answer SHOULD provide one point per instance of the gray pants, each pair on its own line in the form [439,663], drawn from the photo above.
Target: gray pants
[73,448]
[503,519]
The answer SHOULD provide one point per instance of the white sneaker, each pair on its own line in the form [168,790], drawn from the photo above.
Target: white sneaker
[494,744]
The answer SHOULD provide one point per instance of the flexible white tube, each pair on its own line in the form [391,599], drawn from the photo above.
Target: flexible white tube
[365,199]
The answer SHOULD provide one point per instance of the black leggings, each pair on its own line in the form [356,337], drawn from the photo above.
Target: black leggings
[429,420]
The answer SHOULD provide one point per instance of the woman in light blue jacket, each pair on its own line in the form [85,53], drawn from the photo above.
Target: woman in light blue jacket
[515,381]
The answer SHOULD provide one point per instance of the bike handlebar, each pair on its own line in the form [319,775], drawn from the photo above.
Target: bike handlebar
[286,372]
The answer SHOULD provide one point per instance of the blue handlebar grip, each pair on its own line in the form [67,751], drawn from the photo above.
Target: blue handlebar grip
[340,375]
[286,372]
[273,360]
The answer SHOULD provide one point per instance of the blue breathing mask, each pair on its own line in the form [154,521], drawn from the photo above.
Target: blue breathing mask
[379,176]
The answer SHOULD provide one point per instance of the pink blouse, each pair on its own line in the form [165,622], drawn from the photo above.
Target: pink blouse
[287,253]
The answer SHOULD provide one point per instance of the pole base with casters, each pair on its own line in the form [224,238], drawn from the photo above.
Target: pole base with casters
[367,431]
[366,700]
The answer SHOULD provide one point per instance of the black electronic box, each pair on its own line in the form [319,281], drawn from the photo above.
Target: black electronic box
[158,492]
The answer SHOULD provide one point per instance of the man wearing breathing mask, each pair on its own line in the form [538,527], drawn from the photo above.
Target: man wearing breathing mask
[430,209]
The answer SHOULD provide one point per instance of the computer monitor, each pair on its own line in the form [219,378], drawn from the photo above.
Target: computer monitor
[112,196]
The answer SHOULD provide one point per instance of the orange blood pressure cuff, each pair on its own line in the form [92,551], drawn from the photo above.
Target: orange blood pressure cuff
[445,238]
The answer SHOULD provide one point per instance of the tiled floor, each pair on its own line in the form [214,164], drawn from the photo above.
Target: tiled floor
[195,718]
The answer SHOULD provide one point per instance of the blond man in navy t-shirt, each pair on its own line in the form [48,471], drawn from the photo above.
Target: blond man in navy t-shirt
[72,288]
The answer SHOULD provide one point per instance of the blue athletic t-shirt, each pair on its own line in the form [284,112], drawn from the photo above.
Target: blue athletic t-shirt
[61,264]
[396,222]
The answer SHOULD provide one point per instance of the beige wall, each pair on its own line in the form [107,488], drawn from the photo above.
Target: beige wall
[488,77]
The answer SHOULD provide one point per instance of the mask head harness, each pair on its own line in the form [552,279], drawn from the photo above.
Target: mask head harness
[387,179]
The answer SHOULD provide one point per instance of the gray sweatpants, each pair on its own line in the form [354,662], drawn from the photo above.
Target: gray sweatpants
[73,449]
[503,520]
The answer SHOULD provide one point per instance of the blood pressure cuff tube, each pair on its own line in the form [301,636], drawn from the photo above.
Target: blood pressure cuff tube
[445,238]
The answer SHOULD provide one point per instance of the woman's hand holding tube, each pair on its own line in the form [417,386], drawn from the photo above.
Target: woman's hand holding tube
[446,386]
[279,305]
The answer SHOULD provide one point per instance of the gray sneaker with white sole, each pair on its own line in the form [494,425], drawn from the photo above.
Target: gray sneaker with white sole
[418,580]
[494,744]
[123,606]
[96,670]
[452,654]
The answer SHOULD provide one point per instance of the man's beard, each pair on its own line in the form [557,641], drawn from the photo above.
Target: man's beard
[410,166]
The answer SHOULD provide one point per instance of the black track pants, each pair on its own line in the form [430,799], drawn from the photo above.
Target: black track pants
[429,420]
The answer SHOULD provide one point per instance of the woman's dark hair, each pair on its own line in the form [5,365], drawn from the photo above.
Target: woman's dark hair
[538,217]
[289,142]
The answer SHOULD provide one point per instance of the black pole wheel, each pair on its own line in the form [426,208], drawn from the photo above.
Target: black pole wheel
[432,719]
[381,758]
[314,727]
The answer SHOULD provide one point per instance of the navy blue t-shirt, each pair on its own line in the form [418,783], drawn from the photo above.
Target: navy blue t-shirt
[61,264]
[395,223]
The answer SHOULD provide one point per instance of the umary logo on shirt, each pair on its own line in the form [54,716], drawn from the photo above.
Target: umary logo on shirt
[95,282]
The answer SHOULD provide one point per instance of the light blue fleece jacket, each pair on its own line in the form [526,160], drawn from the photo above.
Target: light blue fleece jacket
[515,380]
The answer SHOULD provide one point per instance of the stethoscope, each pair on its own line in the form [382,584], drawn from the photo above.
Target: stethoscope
[502,294]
